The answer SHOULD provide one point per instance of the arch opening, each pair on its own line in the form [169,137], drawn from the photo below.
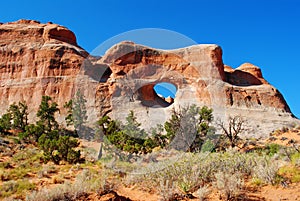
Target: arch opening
[165,90]
[158,95]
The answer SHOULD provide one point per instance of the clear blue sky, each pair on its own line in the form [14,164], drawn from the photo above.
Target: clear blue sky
[263,32]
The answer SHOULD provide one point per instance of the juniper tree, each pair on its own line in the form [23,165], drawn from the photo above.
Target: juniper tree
[79,114]
[46,113]
[69,118]
[188,126]
[19,115]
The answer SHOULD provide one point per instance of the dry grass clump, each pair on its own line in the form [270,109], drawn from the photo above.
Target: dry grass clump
[46,171]
[266,170]
[202,193]
[229,184]
[167,190]
[15,188]
[86,182]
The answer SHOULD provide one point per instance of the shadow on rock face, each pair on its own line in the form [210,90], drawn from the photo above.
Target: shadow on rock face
[241,78]
[98,72]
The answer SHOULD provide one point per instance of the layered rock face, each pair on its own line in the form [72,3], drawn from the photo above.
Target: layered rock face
[44,59]
[200,77]
[37,59]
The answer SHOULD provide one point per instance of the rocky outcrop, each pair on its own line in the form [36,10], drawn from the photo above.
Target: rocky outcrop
[44,59]
[37,59]
[201,78]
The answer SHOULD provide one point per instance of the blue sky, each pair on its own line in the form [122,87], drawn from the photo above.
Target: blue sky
[263,32]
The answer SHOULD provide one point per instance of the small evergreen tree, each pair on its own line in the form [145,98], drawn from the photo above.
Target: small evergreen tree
[32,132]
[5,123]
[172,125]
[19,115]
[69,118]
[79,114]
[188,126]
[46,113]
[158,136]
[132,127]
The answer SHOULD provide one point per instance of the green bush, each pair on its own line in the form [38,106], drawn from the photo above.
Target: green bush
[208,146]
[273,149]
[269,149]
[32,132]
[296,158]
[5,123]
[57,148]
[191,124]
[129,137]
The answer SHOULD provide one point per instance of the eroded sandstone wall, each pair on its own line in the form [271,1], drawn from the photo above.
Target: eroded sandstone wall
[44,59]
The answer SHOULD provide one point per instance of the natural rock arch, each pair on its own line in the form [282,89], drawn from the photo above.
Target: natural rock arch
[149,97]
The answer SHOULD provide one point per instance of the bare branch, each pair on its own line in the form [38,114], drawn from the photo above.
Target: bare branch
[234,128]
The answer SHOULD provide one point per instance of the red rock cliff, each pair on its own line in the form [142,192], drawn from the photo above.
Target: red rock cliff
[37,59]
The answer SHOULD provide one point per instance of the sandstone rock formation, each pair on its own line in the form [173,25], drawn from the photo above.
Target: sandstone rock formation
[199,75]
[37,59]
[44,59]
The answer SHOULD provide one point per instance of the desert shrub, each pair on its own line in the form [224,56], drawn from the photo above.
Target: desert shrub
[46,170]
[190,125]
[191,171]
[295,158]
[5,123]
[202,193]
[15,173]
[272,149]
[266,170]
[208,146]
[188,175]
[256,181]
[22,163]
[16,187]
[231,131]
[167,190]
[290,172]
[229,184]
[57,148]
[5,165]
[29,155]
[87,181]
